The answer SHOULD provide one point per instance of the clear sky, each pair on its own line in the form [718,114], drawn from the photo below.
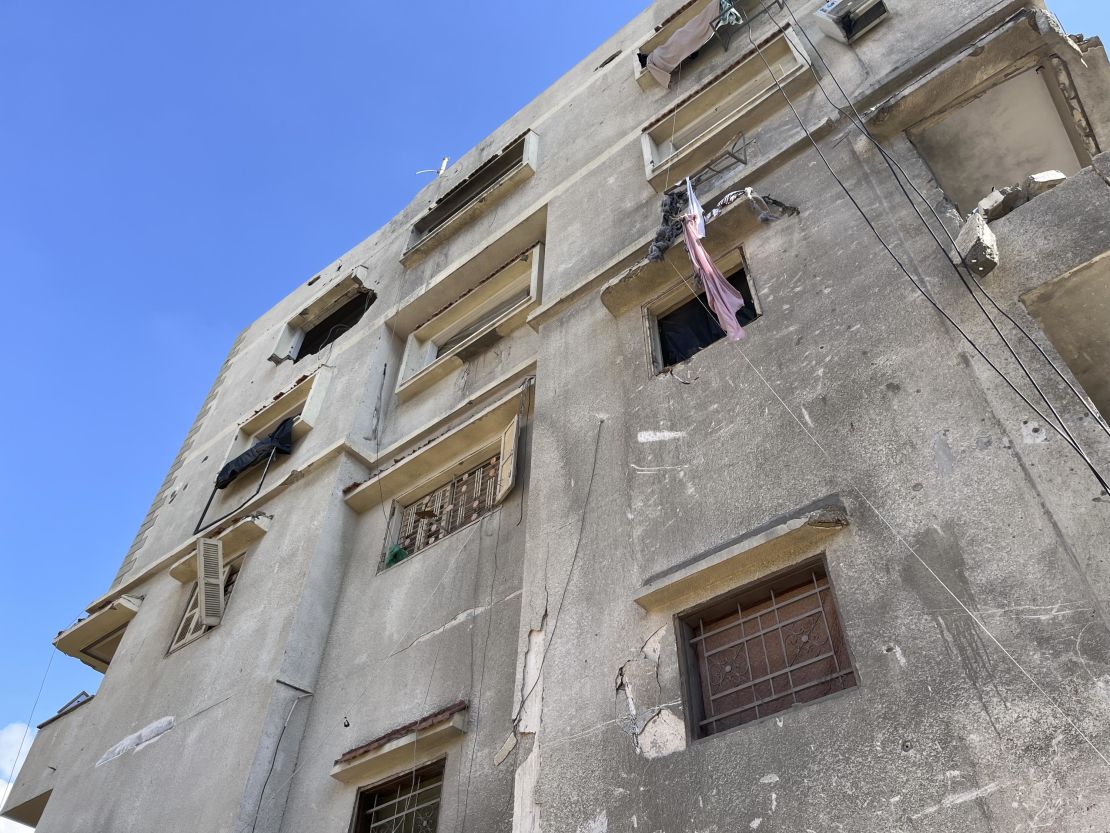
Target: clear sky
[169,171]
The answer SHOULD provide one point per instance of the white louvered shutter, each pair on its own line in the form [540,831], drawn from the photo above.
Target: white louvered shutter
[210,581]
[506,473]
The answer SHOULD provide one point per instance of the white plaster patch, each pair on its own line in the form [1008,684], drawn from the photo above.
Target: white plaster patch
[532,706]
[898,655]
[525,817]
[600,824]
[769,779]
[663,735]
[959,798]
[755,824]
[659,436]
[774,802]
[133,742]
[1033,433]
[654,645]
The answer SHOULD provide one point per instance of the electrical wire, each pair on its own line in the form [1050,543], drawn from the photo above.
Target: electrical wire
[902,267]
[27,727]
[566,585]
[896,168]
[890,526]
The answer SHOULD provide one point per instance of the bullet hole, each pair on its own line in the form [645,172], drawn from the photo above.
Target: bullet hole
[346,723]
[889,649]
[1025,422]
[907,746]
[917,487]
[205,460]
[1036,429]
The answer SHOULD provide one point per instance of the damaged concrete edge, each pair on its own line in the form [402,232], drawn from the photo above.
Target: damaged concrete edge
[166,561]
[786,535]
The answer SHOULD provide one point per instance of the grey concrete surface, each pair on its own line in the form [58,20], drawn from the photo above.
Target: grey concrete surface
[972,580]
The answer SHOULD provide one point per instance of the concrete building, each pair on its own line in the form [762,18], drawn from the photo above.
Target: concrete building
[550,554]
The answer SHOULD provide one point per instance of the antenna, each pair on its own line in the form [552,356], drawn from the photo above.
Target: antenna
[442,168]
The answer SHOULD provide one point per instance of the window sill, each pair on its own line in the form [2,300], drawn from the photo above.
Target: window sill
[421,245]
[235,538]
[77,640]
[427,740]
[451,454]
[455,358]
[779,543]
[738,93]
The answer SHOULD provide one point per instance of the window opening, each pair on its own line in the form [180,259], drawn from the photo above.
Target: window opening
[409,804]
[471,188]
[456,504]
[191,627]
[691,328]
[483,321]
[334,325]
[766,649]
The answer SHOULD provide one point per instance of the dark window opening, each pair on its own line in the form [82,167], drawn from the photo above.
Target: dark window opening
[764,650]
[334,325]
[471,188]
[409,804]
[692,327]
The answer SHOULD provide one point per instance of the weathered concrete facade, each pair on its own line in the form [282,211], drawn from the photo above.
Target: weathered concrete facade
[969,559]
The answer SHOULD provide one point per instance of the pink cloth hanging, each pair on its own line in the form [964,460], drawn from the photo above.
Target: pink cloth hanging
[723,298]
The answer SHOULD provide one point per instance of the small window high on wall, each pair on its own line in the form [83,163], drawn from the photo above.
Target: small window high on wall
[333,326]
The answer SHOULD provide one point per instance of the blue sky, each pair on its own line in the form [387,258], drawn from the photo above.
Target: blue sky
[168,171]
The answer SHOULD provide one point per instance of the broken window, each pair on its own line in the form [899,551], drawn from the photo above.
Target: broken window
[685,327]
[997,139]
[765,649]
[516,161]
[191,627]
[458,503]
[334,325]
[409,804]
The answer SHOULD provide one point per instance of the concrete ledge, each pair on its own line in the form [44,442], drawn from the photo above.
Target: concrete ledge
[235,538]
[93,640]
[29,812]
[405,748]
[776,544]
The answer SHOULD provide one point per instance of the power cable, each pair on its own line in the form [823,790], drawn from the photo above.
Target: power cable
[908,274]
[566,585]
[890,526]
[896,168]
[27,727]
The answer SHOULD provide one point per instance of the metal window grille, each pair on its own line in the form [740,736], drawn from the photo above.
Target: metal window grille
[450,507]
[767,649]
[191,627]
[408,805]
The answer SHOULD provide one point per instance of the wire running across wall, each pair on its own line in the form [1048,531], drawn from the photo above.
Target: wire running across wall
[916,283]
[1055,704]
[899,173]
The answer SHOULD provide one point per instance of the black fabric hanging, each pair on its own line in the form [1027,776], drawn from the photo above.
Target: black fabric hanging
[279,440]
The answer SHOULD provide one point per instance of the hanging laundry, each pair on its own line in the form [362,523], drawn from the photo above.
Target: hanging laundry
[279,441]
[762,206]
[665,59]
[694,207]
[674,206]
[724,299]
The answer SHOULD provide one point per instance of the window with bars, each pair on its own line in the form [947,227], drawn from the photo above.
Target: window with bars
[191,627]
[763,650]
[409,804]
[452,506]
